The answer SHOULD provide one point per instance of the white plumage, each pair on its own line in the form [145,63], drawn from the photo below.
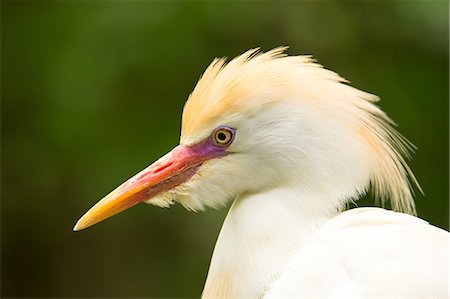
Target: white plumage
[369,252]
[297,145]
[275,249]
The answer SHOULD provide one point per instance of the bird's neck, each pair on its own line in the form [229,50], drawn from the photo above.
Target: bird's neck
[260,233]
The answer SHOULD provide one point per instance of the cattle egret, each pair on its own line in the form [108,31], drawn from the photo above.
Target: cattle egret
[291,144]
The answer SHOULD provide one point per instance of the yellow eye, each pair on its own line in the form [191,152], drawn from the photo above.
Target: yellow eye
[223,136]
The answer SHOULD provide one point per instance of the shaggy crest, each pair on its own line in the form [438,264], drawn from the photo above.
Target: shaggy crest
[225,87]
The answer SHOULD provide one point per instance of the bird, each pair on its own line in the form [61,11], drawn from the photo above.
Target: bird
[292,146]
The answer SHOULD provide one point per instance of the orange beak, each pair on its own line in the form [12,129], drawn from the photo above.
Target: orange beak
[171,170]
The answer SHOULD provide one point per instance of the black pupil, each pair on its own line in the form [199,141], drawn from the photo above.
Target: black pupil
[221,136]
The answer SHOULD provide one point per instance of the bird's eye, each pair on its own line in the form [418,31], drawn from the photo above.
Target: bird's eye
[223,136]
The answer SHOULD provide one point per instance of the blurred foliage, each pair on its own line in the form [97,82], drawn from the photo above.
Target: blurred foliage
[92,92]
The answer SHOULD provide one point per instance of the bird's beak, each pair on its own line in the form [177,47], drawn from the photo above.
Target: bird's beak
[171,170]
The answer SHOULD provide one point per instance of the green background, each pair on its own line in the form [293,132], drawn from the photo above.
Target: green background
[92,92]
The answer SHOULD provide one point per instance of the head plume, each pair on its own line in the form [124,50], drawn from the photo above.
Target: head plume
[256,79]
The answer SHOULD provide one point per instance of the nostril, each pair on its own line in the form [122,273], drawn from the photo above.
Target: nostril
[161,168]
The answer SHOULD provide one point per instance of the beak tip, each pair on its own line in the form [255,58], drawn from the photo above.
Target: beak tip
[79,225]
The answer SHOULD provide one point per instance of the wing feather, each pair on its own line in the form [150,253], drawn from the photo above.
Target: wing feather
[369,252]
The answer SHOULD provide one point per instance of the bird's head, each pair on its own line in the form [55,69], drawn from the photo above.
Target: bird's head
[268,120]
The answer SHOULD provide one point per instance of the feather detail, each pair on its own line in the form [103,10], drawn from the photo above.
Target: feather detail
[255,79]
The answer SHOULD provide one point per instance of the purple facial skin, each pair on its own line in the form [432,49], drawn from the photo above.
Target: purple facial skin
[177,167]
[211,148]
